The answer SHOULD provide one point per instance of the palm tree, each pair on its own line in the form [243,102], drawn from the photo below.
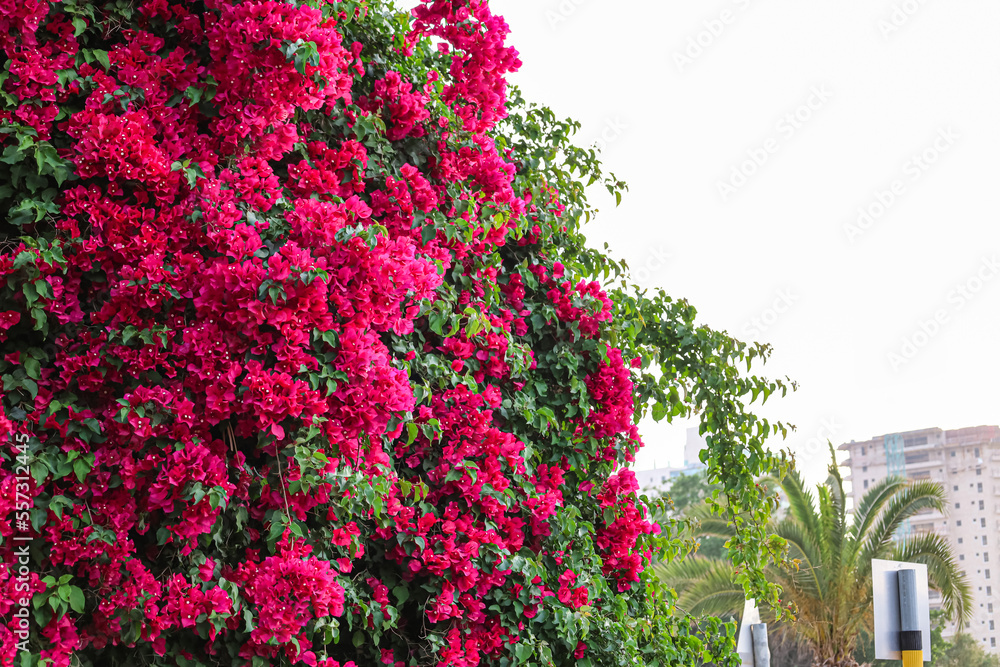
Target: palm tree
[832,586]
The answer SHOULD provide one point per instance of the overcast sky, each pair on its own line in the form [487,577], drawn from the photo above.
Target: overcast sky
[751,132]
[819,176]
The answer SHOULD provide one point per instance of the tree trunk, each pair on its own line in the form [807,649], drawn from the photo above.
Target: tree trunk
[842,656]
[838,661]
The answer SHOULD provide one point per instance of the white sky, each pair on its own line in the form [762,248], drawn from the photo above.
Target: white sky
[674,130]
[777,247]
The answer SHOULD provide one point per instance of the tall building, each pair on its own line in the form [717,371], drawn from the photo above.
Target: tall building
[659,478]
[966,462]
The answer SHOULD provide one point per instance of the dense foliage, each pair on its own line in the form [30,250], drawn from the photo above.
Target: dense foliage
[305,362]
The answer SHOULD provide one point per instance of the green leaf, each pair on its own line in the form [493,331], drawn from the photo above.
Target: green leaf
[30,293]
[81,468]
[102,57]
[32,368]
[76,599]
[427,234]
[31,386]
[39,472]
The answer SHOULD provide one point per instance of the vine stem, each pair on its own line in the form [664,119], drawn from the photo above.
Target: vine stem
[281,478]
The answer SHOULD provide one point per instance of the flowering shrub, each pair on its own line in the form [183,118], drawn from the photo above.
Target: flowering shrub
[298,324]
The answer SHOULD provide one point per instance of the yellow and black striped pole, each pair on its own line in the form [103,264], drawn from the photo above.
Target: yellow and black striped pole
[910,637]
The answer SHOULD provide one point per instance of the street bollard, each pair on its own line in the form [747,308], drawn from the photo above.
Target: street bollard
[761,652]
[910,639]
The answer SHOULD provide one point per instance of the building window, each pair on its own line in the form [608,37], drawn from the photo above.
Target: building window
[864,468]
[982,505]
[862,451]
[979,471]
[953,454]
[961,556]
[960,540]
[976,453]
[982,522]
[979,487]
[955,488]
[987,574]
[993,640]
[957,505]
[986,557]
[866,483]
[989,590]
[958,522]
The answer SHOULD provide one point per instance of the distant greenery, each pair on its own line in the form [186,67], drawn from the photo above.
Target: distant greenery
[687,490]
[964,651]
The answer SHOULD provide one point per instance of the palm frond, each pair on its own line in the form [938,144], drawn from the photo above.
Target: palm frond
[809,579]
[828,538]
[943,572]
[870,506]
[711,524]
[907,501]
[703,585]
[836,524]
[800,501]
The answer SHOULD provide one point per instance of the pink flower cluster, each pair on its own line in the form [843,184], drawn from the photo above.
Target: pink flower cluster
[249,279]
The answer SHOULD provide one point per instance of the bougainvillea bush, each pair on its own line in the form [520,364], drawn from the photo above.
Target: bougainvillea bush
[305,360]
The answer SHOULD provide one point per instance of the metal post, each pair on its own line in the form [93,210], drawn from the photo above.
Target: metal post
[761,652]
[910,637]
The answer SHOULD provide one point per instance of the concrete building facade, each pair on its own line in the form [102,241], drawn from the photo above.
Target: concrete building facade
[966,462]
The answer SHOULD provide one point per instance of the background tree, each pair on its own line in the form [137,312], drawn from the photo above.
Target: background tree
[963,651]
[687,490]
[306,361]
[829,582]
